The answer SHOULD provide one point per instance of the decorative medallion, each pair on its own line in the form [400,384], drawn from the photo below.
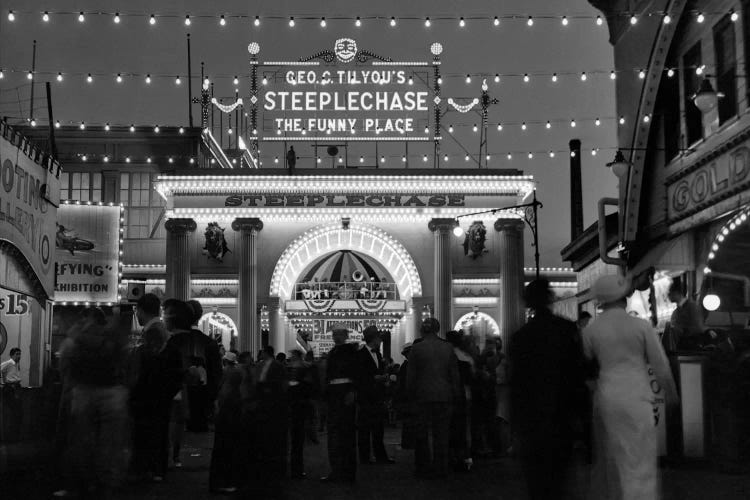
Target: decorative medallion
[475,239]
[215,245]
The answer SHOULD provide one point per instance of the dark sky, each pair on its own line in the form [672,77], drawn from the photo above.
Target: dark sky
[100,46]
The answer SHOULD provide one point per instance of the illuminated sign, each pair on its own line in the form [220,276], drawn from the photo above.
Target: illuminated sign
[87,251]
[348,93]
[354,200]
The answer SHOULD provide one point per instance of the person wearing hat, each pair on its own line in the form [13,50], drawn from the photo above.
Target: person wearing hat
[626,349]
[546,373]
[371,399]
[341,375]
[404,405]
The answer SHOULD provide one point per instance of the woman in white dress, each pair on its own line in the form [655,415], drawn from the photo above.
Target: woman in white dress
[625,438]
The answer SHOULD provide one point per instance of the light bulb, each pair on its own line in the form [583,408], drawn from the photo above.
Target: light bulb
[117,18]
[127,159]
[81,17]
[11,16]
[341,160]
[291,22]
[450,129]
[593,152]
[358,22]
[427,22]
[229,131]
[461,22]
[670,72]
[733,15]
[393,22]
[564,21]
[523,126]
[526,78]
[59,77]
[572,123]
[236,80]
[318,160]
[497,78]
[641,74]
[468,78]
[257,21]
[152,20]
[440,80]
[475,128]
[633,19]
[411,81]
[222,21]
[177,80]
[445,158]
[148,78]
[554,77]
[106,127]
[106,159]
[156,129]
[57,124]
[530,21]
[403,159]
[187,20]
[426,130]
[599,20]
[323,23]
[499,127]
[182,130]
[612,75]
[583,76]
[382,159]
[265,81]
[531,155]
[551,154]
[2,75]
[33,122]
[424,158]
[667,19]
[82,126]
[467,158]
[458,231]
[549,125]
[622,120]
[361,159]
[29,75]
[487,157]
[700,17]
[509,156]
[84,158]
[597,122]
[45,17]
[132,128]
[646,118]
[496,21]
[119,78]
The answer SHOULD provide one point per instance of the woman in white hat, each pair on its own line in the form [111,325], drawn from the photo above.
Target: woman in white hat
[625,439]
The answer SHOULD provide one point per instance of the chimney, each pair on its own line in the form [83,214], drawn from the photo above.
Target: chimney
[576,195]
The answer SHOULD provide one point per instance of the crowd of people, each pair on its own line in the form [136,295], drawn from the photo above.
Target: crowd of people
[124,407]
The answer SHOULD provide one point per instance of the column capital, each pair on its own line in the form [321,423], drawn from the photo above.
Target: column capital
[247,224]
[442,225]
[509,224]
[180,226]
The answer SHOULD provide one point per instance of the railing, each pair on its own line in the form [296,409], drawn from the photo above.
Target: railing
[345,290]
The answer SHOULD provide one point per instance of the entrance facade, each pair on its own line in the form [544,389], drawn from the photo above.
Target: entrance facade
[300,253]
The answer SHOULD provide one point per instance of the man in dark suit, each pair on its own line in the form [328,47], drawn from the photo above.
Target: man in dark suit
[546,378]
[371,399]
[341,392]
[433,382]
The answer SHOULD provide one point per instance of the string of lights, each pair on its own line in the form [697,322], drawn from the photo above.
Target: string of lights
[527,77]
[494,21]
[523,126]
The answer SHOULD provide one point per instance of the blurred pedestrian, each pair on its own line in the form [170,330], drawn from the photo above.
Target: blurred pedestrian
[312,420]
[155,378]
[545,375]
[434,383]
[12,405]
[341,393]
[372,412]
[404,404]
[300,387]
[98,413]
[459,440]
[625,440]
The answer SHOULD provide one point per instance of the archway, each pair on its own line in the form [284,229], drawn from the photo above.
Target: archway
[366,239]
[219,327]
[479,325]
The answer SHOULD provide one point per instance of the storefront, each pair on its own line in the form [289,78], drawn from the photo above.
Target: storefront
[28,209]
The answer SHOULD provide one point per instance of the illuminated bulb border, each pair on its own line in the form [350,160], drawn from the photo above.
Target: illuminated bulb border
[721,235]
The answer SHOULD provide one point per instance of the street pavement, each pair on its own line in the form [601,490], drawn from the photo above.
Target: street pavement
[496,479]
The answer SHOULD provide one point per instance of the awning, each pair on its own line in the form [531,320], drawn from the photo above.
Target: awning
[675,254]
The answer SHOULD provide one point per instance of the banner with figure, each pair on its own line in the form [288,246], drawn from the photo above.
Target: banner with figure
[87,249]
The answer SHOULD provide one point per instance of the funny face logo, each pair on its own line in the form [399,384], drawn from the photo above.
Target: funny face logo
[345,49]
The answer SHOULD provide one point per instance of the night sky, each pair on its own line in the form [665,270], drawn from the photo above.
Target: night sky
[99,46]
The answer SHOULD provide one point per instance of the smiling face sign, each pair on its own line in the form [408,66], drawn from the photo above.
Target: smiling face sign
[346,49]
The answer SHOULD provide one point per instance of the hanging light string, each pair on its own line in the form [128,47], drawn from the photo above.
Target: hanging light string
[292,21]
[469,78]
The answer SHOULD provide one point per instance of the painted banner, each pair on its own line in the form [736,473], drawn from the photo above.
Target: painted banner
[16,326]
[29,194]
[87,251]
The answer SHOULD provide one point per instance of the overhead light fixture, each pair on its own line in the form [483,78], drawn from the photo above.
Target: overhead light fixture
[619,165]
[706,98]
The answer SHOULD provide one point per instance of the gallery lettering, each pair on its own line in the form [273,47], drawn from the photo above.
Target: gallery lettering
[354,200]
[82,287]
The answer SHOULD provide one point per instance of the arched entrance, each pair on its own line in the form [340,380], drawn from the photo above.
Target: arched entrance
[219,327]
[359,276]
[479,325]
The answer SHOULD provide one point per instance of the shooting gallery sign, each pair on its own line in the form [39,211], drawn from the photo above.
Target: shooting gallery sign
[87,249]
[345,93]
[29,194]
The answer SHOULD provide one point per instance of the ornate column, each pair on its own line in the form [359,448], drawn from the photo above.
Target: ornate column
[511,276]
[178,257]
[443,272]
[247,296]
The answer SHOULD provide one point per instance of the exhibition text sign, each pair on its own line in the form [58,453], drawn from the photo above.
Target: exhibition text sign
[29,193]
[88,253]
[341,99]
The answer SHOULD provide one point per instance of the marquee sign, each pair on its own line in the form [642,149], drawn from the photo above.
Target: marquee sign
[345,94]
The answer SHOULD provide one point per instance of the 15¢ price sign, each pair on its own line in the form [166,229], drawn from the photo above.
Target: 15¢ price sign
[14,304]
